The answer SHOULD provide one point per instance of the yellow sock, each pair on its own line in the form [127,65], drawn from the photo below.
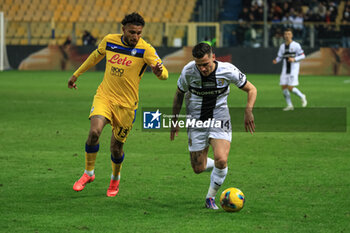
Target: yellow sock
[116,167]
[90,159]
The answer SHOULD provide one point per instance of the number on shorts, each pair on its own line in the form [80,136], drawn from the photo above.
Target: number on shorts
[123,132]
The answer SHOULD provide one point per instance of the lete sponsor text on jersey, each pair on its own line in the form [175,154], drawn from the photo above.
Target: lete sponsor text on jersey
[119,60]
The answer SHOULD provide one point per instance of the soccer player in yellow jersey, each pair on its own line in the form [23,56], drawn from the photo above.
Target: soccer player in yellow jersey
[116,100]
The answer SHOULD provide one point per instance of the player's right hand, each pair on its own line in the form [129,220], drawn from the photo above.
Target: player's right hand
[274,61]
[157,69]
[71,82]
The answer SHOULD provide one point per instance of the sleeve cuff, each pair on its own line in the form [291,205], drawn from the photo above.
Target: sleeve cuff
[181,90]
[245,82]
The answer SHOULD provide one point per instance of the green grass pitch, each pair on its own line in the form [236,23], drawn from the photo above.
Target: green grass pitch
[293,182]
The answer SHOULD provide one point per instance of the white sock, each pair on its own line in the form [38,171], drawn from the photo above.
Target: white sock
[115,177]
[90,173]
[297,92]
[210,164]
[287,97]
[217,178]
[211,192]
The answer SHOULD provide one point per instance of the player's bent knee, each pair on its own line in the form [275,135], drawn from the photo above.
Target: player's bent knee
[94,135]
[220,163]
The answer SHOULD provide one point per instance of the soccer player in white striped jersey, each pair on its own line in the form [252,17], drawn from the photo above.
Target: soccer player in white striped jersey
[291,53]
[205,85]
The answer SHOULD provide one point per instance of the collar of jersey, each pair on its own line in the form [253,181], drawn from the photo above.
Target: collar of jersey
[216,67]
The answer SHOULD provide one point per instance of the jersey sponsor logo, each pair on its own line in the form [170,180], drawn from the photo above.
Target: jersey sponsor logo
[207,92]
[116,71]
[117,59]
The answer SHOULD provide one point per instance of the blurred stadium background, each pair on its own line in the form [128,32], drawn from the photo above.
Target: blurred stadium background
[31,25]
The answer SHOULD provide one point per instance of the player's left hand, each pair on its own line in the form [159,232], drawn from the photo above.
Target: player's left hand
[291,59]
[157,69]
[174,131]
[249,121]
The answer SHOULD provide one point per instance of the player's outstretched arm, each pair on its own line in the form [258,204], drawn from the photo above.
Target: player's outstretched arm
[94,58]
[248,116]
[177,104]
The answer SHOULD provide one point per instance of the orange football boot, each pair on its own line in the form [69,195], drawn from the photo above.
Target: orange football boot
[80,184]
[113,188]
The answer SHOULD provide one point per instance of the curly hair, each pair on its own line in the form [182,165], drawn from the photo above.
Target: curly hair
[134,19]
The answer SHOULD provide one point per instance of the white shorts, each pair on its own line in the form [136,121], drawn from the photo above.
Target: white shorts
[198,139]
[289,79]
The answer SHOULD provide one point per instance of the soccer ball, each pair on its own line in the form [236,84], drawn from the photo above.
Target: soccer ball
[232,200]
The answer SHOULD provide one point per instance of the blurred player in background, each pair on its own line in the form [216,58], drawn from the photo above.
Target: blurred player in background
[116,100]
[291,53]
[205,84]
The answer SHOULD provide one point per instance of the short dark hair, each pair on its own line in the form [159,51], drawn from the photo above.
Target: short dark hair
[201,49]
[288,30]
[134,19]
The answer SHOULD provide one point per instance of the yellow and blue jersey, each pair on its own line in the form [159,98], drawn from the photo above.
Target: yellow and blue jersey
[125,67]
